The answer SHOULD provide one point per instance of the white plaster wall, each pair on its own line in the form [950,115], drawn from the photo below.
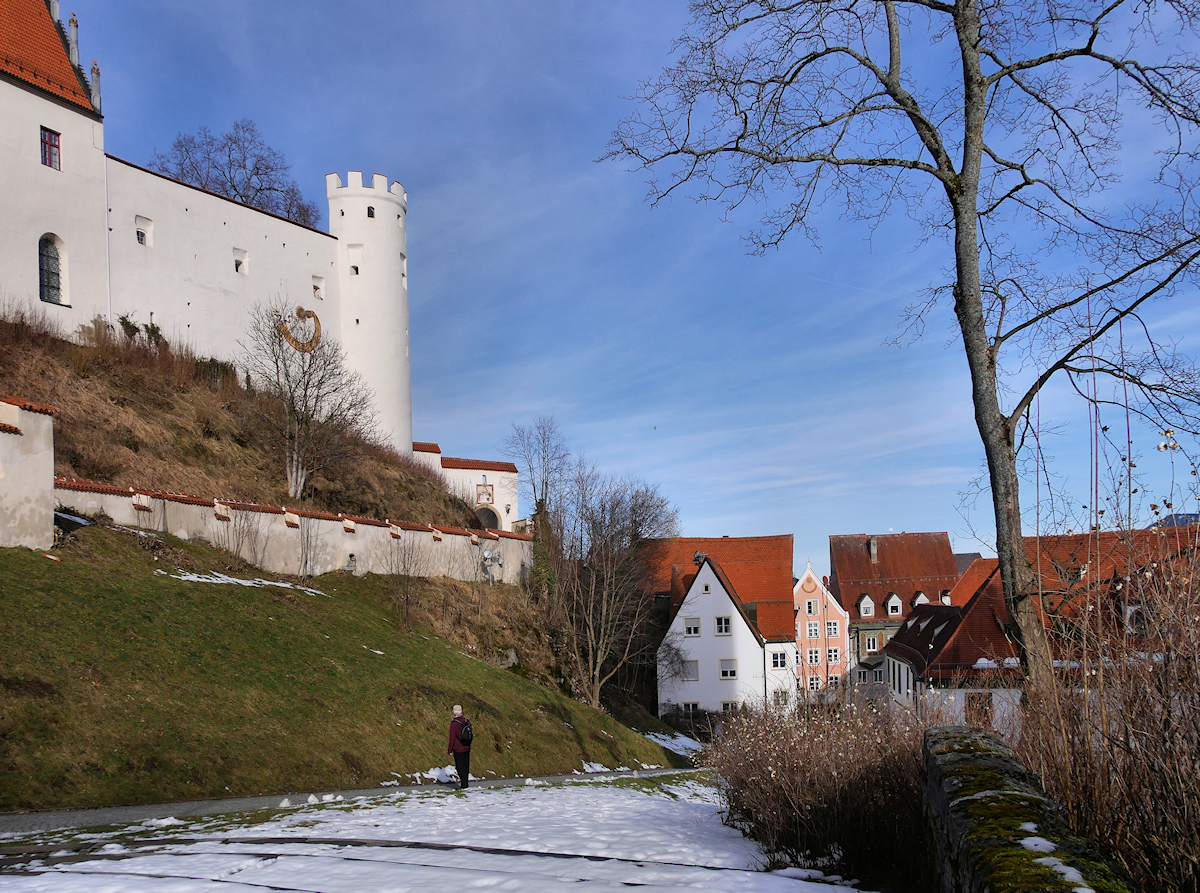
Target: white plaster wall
[374,302]
[317,546]
[36,199]
[710,691]
[185,277]
[26,479]
[463,481]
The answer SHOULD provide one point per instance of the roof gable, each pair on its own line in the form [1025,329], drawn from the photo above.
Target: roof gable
[759,566]
[32,51]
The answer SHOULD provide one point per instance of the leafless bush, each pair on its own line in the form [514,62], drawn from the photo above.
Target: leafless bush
[404,560]
[1117,742]
[831,786]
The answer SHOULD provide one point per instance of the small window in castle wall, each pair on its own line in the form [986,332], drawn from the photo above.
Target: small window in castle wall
[144,227]
[318,283]
[241,261]
[370,211]
[354,257]
[51,149]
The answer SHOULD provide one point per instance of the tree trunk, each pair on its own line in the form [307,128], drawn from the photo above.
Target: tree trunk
[995,428]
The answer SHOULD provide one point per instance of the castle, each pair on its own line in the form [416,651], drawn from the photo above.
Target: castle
[84,234]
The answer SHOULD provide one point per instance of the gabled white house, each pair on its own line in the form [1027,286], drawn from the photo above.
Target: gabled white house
[822,638]
[733,654]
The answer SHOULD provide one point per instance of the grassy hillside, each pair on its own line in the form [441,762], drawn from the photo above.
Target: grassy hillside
[138,415]
[122,684]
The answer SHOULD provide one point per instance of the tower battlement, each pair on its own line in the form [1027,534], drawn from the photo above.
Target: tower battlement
[378,187]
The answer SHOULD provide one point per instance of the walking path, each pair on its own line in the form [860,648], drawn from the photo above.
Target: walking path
[656,829]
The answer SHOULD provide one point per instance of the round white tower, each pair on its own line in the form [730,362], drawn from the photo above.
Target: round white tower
[372,265]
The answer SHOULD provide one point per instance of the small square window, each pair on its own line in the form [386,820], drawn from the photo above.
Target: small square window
[835,655]
[866,607]
[51,149]
[878,675]
[812,606]
[814,657]
[814,683]
[894,607]
[872,643]
[778,660]
[834,681]
[691,671]
[691,626]
[723,626]
[141,237]
[689,707]
[831,629]
[729,669]
[370,211]
[781,698]
[729,706]
[706,588]
[814,629]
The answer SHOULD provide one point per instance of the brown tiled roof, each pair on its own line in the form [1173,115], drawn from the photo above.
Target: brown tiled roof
[86,486]
[32,51]
[478,464]
[524,537]
[9,429]
[422,447]
[972,642]
[759,566]
[777,621]
[907,563]
[408,525]
[28,405]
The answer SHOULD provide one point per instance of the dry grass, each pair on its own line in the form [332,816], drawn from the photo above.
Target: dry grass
[1117,744]
[134,414]
[833,786]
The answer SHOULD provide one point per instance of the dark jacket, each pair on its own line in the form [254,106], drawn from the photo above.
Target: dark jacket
[456,746]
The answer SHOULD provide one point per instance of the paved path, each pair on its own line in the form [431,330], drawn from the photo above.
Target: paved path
[30,822]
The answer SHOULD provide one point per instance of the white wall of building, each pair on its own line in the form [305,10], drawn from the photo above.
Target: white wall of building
[756,681]
[37,200]
[26,477]
[471,484]
[183,279]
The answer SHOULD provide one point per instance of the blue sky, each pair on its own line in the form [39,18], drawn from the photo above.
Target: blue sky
[759,392]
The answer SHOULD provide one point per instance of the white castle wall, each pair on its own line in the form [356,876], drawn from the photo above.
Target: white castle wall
[26,475]
[183,279]
[37,200]
[302,542]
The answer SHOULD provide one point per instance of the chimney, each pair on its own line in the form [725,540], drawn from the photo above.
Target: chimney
[873,548]
[73,39]
[54,12]
[95,85]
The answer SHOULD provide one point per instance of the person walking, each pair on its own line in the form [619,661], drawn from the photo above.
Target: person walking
[459,747]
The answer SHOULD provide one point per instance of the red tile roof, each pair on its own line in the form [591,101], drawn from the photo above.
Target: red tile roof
[28,405]
[9,429]
[32,51]
[759,566]
[421,447]
[776,621]
[478,464]
[907,563]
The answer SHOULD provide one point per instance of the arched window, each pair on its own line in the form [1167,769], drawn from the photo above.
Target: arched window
[50,270]
[370,211]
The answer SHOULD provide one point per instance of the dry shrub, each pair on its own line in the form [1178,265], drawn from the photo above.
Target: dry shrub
[1117,744]
[834,786]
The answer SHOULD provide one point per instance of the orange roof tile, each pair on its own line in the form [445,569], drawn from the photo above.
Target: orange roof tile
[478,464]
[9,429]
[32,51]
[759,566]
[421,447]
[28,405]
[777,621]
[907,563]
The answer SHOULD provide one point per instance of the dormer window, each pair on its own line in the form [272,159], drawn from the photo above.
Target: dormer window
[921,599]
[866,607]
[894,606]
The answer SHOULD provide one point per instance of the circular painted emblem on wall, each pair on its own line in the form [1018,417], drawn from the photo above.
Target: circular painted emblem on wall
[302,346]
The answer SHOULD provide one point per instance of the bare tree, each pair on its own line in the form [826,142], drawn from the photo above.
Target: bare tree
[315,410]
[1001,139]
[240,165]
[404,561]
[603,605]
[542,451]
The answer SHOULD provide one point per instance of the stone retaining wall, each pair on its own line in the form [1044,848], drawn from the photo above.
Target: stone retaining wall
[993,829]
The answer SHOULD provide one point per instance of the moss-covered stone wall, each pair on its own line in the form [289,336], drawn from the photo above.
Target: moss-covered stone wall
[992,827]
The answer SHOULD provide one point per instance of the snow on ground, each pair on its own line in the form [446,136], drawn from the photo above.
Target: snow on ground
[225,579]
[661,834]
[680,744]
